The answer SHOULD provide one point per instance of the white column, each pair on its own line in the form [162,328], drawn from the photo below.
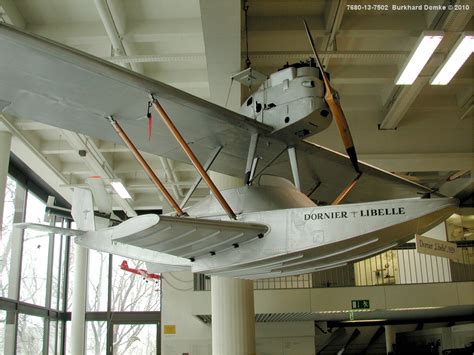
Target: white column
[390,338]
[233,316]
[5,145]
[79,294]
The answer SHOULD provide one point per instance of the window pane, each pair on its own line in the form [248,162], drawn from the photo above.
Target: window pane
[96,337]
[70,270]
[67,342]
[137,339]
[35,255]
[30,334]
[132,290]
[98,278]
[53,337]
[59,267]
[3,316]
[7,335]
[10,241]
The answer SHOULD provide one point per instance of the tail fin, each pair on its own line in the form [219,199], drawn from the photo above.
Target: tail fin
[102,198]
[124,265]
[83,209]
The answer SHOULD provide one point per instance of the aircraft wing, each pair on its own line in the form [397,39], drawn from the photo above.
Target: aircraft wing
[51,83]
[324,173]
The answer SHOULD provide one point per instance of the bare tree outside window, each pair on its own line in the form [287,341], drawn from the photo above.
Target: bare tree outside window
[130,293]
[5,235]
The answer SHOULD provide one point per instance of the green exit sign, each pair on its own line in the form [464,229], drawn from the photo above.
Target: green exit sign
[360,304]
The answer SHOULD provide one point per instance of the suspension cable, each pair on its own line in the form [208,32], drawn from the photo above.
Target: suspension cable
[247,59]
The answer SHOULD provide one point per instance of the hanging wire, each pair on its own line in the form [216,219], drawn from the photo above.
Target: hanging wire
[247,59]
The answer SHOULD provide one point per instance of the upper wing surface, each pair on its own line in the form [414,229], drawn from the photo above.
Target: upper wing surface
[48,82]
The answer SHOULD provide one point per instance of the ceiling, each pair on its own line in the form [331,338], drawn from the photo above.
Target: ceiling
[197,45]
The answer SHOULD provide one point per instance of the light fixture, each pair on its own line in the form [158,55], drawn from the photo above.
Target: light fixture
[120,189]
[424,48]
[456,58]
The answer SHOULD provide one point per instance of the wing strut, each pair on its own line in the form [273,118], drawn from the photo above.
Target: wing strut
[250,157]
[144,164]
[346,190]
[294,167]
[198,180]
[179,138]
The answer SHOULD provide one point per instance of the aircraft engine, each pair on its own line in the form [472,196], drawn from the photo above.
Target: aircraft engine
[292,101]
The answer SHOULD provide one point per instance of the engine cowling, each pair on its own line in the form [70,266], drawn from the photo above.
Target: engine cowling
[292,101]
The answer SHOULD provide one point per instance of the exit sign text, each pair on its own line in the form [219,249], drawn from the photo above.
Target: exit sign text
[360,304]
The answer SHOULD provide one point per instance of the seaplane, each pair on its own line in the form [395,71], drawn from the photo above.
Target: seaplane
[302,208]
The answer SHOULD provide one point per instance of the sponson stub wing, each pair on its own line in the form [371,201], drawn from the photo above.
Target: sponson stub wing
[188,238]
[51,83]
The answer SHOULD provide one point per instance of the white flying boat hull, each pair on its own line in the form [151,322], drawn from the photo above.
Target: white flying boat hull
[295,240]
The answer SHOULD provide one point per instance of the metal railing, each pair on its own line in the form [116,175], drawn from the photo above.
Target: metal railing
[400,266]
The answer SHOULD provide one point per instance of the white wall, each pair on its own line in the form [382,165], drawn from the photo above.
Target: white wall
[180,304]
[285,338]
[192,336]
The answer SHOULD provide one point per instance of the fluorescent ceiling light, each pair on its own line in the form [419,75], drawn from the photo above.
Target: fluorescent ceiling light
[424,48]
[456,58]
[120,189]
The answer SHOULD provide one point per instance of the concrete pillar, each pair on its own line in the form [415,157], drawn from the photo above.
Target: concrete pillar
[390,338]
[79,294]
[5,145]
[233,314]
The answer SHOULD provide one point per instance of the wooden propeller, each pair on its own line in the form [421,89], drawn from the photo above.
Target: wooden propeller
[332,99]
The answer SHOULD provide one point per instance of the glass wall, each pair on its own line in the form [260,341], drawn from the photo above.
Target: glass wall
[132,291]
[30,334]
[137,339]
[96,342]
[35,253]
[36,286]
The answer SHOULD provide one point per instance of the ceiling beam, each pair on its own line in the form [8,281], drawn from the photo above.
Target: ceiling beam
[86,33]
[396,56]
[97,164]
[333,14]
[165,30]
[26,150]
[168,58]
[401,101]
[9,12]
[366,26]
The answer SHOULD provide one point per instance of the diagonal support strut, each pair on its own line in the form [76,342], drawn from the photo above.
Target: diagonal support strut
[151,174]
[179,138]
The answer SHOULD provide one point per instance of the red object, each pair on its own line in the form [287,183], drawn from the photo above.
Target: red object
[142,272]
[150,125]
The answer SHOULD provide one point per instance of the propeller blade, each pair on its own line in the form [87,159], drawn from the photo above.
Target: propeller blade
[332,99]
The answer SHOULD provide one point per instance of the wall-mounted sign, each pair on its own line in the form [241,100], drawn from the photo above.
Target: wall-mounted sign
[169,329]
[360,304]
[430,246]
